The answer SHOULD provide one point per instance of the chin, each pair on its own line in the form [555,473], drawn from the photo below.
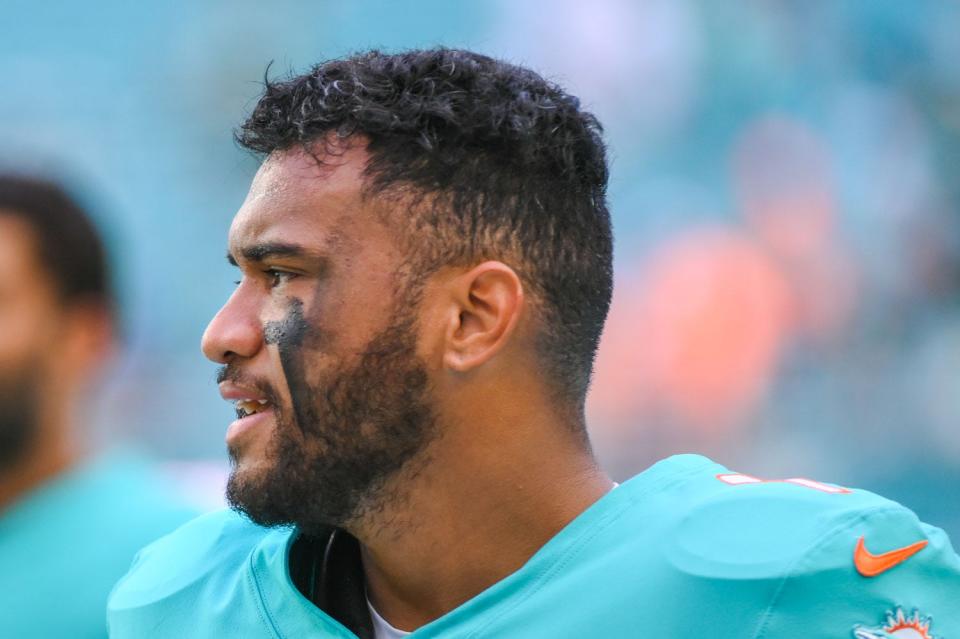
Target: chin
[248,493]
[248,468]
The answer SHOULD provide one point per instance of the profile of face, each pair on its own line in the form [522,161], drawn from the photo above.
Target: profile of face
[318,344]
[29,314]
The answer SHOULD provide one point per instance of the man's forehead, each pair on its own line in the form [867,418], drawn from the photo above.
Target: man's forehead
[293,188]
[294,198]
[296,169]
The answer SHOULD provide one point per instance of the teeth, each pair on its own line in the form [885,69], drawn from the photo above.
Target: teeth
[247,407]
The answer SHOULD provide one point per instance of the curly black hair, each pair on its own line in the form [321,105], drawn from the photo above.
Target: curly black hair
[511,166]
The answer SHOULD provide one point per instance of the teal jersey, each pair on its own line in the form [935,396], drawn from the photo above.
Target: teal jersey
[685,549]
[64,545]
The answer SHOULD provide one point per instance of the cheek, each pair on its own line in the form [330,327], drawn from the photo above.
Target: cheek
[298,347]
[26,341]
[362,311]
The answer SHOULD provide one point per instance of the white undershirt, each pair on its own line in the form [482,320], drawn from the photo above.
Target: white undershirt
[381,628]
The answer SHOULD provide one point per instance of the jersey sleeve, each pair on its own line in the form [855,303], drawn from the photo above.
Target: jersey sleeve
[878,572]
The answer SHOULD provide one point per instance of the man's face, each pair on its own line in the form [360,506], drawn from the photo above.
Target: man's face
[318,343]
[28,316]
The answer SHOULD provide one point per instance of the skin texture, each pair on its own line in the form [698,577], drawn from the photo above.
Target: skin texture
[47,351]
[427,383]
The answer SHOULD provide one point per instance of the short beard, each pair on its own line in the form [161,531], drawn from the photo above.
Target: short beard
[364,426]
[19,404]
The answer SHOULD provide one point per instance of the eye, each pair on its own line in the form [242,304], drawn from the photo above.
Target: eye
[278,277]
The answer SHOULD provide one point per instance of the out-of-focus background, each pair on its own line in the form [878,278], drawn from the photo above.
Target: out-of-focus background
[785,189]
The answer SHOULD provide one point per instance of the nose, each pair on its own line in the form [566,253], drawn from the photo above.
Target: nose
[235,331]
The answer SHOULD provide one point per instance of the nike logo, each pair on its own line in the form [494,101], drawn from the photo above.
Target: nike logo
[870,565]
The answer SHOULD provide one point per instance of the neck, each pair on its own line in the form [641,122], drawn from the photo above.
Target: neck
[473,514]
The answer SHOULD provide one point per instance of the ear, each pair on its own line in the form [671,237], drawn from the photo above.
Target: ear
[89,338]
[486,303]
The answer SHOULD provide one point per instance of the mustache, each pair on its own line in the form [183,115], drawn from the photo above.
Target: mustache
[233,374]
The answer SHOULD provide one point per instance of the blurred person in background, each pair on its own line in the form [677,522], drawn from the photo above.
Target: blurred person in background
[70,523]
[426,266]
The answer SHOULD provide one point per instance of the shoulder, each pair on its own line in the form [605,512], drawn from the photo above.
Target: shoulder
[737,525]
[729,524]
[206,557]
[713,522]
[801,551]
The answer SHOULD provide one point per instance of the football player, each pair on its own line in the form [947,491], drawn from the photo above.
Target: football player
[425,261]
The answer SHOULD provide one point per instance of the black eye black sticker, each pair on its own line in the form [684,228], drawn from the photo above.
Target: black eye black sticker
[289,334]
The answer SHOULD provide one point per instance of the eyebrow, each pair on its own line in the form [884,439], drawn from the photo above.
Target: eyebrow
[260,252]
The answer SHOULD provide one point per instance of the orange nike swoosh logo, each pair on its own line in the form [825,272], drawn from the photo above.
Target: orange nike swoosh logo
[870,565]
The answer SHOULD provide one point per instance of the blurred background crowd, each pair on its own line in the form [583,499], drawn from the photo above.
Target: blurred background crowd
[784,188]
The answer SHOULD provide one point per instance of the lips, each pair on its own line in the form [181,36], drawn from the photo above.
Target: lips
[247,400]
[254,408]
